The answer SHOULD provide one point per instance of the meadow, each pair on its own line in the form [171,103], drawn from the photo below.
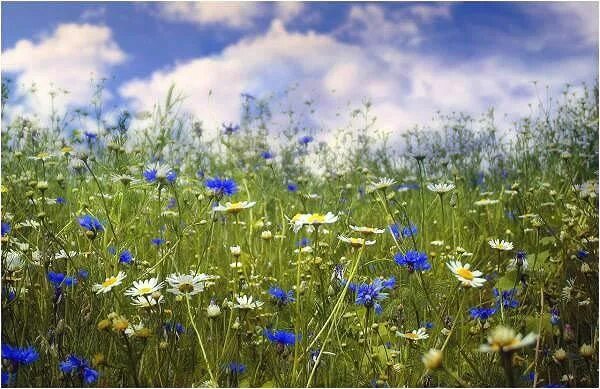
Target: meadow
[461,256]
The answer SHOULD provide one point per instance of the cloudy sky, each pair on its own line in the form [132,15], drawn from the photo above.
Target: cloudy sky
[409,59]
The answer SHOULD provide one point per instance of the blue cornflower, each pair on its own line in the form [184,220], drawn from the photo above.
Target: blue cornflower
[481,313]
[159,172]
[83,274]
[292,187]
[221,186]
[91,224]
[157,241]
[5,378]
[280,296]
[427,324]
[177,328]
[23,356]
[172,202]
[413,260]
[521,256]
[284,338]
[60,200]
[126,257]
[112,250]
[582,255]
[403,232]
[90,135]
[554,316]
[306,139]
[6,228]
[303,242]
[506,298]
[229,129]
[74,364]
[171,176]
[236,367]
[369,295]
[59,279]
[266,155]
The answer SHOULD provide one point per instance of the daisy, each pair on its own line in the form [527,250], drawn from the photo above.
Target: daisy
[301,219]
[466,276]
[356,242]
[187,284]
[441,188]
[381,183]
[485,202]
[367,230]
[501,245]
[245,302]
[414,335]
[109,283]
[13,261]
[145,302]
[504,339]
[234,207]
[144,288]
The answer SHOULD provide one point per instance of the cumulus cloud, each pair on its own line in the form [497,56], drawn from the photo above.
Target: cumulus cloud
[67,59]
[238,15]
[405,87]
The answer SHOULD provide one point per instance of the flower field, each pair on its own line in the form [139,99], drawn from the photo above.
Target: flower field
[144,252]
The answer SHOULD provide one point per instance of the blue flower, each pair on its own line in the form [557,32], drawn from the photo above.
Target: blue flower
[157,241]
[413,260]
[582,254]
[171,177]
[266,155]
[59,279]
[172,202]
[90,135]
[221,186]
[74,364]
[229,129]
[292,187]
[236,367]
[554,316]
[176,328]
[481,313]
[369,295]
[6,228]
[83,274]
[280,296]
[111,250]
[5,378]
[23,356]
[90,223]
[303,242]
[285,338]
[403,232]
[506,298]
[126,257]
[306,139]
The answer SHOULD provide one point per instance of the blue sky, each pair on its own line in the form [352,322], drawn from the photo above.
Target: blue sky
[411,59]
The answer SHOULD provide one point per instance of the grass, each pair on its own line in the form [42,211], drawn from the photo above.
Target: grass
[536,187]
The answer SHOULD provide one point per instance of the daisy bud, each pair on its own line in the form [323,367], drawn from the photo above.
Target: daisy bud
[163,345]
[585,268]
[120,324]
[236,251]
[266,235]
[112,316]
[156,295]
[213,310]
[559,355]
[103,325]
[42,185]
[432,359]
[586,351]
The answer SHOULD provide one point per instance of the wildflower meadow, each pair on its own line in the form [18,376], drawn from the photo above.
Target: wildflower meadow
[467,258]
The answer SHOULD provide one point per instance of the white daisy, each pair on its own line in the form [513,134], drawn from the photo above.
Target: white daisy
[144,288]
[381,183]
[109,283]
[504,339]
[465,275]
[146,301]
[414,335]
[302,219]
[501,245]
[441,188]
[187,284]
[485,202]
[356,242]
[13,261]
[234,207]
[367,230]
[245,302]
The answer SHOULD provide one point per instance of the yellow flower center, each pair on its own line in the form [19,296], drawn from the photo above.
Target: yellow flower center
[465,273]
[109,282]
[186,288]
[316,218]
[145,290]
[235,207]
[357,241]
[412,336]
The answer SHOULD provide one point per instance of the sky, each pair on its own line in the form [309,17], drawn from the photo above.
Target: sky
[409,59]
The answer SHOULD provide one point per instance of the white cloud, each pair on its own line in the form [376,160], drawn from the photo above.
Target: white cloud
[288,10]
[406,88]
[90,14]
[239,15]
[66,59]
